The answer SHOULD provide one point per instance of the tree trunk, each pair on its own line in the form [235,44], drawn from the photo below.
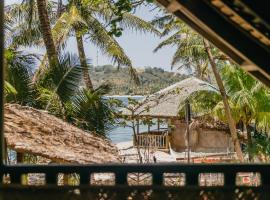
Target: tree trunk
[228,113]
[59,8]
[83,61]
[47,32]
[249,141]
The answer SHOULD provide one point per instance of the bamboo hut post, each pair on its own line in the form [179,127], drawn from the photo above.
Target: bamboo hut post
[158,125]
[167,141]
[138,126]
[19,157]
[20,160]
[187,123]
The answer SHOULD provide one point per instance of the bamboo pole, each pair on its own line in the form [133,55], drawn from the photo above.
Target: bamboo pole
[138,126]
[187,127]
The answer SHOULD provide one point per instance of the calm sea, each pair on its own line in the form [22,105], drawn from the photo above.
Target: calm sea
[125,134]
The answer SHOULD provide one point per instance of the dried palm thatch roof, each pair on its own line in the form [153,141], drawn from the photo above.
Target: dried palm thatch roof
[168,102]
[32,131]
[209,123]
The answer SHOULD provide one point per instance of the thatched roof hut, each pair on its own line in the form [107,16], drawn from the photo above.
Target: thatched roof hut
[206,134]
[167,102]
[28,130]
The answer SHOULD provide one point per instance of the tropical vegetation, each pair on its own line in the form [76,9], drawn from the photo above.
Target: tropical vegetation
[242,100]
[58,81]
[67,86]
[152,79]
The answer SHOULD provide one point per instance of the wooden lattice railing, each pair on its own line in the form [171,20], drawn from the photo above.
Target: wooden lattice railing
[153,139]
[159,181]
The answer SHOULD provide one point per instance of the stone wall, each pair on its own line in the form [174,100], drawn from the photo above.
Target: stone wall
[201,140]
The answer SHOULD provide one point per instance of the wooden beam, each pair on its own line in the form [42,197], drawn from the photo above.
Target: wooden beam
[230,37]
[2,144]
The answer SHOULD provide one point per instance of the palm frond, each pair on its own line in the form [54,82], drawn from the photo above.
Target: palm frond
[171,41]
[9,89]
[66,24]
[92,111]
[19,75]
[135,23]
[109,46]
[65,78]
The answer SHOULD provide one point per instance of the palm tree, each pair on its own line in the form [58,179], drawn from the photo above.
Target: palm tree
[82,19]
[47,32]
[190,54]
[85,21]
[91,111]
[45,27]
[30,26]
[193,50]
[249,102]
[227,108]
[57,90]
[249,99]
[18,74]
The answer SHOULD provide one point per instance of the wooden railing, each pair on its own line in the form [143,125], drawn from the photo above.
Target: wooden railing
[156,140]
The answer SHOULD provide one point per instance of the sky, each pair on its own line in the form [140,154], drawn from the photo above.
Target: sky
[138,46]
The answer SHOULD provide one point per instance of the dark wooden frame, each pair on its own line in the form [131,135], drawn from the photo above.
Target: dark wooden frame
[157,170]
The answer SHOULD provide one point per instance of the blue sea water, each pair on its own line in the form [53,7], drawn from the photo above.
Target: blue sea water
[124,134]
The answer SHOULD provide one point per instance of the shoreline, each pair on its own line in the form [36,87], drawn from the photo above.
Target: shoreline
[124,96]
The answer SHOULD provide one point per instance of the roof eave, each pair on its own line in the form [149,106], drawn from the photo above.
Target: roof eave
[230,37]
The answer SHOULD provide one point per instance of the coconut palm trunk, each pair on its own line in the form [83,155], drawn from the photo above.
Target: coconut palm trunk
[46,32]
[83,61]
[228,113]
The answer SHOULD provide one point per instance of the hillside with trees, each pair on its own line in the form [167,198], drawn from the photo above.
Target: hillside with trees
[151,80]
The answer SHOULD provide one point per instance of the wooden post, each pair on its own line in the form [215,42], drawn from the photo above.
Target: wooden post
[138,126]
[158,125]
[167,141]
[19,157]
[66,179]
[2,144]
[188,119]
[20,160]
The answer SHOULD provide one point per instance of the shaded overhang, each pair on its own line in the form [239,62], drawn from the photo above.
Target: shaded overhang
[240,28]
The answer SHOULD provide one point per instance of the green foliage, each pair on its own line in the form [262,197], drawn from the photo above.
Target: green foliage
[120,9]
[248,95]
[24,23]
[66,77]
[91,111]
[19,75]
[9,89]
[151,80]
[46,99]
[81,17]
[248,100]
[204,101]
[261,146]
[62,81]
[56,87]
[190,54]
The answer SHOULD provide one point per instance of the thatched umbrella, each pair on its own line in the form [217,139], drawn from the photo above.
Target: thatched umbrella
[28,130]
[166,103]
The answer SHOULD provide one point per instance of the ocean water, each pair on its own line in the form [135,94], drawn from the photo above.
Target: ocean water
[125,134]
